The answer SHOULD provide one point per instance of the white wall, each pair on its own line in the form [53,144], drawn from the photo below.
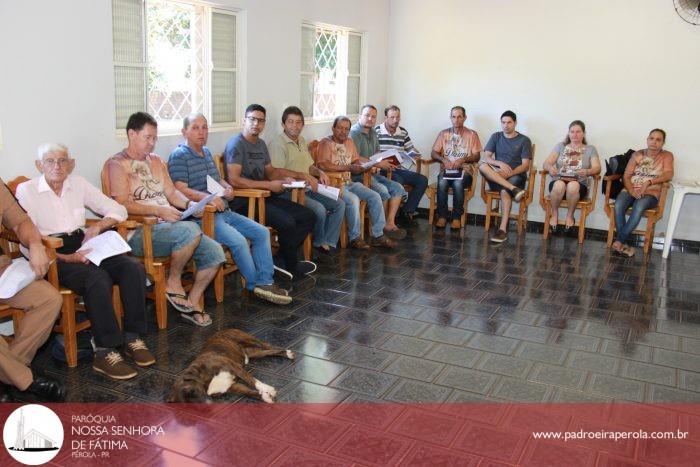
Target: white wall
[623,67]
[56,73]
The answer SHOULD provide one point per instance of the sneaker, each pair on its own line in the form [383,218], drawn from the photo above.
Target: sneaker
[382,242]
[139,353]
[358,244]
[113,365]
[324,256]
[517,194]
[273,294]
[500,236]
[398,234]
[456,224]
[441,223]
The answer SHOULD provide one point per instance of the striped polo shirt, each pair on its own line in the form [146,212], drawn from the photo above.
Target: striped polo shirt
[185,166]
[399,140]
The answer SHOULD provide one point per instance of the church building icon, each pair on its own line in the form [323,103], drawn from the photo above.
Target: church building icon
[32,440]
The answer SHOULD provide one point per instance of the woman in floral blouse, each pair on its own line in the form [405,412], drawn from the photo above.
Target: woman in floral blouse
[646,171]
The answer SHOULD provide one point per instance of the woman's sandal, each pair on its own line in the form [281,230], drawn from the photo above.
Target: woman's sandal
[627,251]
[191,318]
[181,307]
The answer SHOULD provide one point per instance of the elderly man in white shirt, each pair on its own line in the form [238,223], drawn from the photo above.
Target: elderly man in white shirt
[56,202]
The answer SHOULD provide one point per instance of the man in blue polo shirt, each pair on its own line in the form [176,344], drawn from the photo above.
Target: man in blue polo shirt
[505,166]
[189,165]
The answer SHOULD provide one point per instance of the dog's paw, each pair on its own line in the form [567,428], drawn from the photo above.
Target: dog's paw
[267,392]
[291,355]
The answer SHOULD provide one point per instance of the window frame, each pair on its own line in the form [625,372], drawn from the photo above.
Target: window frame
[169,129]
[342,74]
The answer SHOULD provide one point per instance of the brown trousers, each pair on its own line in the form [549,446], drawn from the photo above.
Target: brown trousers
[41,304]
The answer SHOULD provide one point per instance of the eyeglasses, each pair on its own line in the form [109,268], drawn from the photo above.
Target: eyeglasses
[255,119]
[58,162]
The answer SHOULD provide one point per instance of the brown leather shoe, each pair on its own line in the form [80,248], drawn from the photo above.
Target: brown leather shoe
[359,244]
[139,353]
[382,242]
[456,224]
[441,223]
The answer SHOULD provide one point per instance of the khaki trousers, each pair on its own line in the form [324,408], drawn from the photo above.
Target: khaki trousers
[41,304]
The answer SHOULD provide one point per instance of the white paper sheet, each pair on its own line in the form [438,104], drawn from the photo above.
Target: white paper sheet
[297,184]
[329,191]
[105,245]
[17,276]
[369,163]
[214,187]
[199,206]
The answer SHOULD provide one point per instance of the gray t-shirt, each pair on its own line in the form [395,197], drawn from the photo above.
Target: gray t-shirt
[251,157]
[512,151]
[571,160]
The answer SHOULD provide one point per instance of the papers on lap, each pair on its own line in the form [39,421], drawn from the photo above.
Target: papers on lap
[199,206]
[297,184]
[214,187]
[329,191]
[17,276]
[453,174]
[105,245]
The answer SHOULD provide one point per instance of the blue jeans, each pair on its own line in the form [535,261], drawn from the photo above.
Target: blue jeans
[329,216]
[173,236]
[418,184]
[622,203]
[457,195]
[352,194]
[386,188]
[255,261]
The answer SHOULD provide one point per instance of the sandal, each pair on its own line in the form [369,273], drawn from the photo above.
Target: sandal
[627,251]
[181,307]
[191,318]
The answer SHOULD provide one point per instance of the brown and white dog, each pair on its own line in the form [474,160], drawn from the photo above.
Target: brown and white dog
[218,369]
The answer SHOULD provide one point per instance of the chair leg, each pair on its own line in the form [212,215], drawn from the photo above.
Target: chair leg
[219,285]
[547,216]
[364,220]
[648,236]
[463,219]
[161,301]
[582,226]
[521,214]
[343,234]
[308,245]
[117,305]
[611,230]
[70,338]
[431,208]
[487,221]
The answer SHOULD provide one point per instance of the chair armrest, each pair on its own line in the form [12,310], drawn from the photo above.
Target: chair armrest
[128,224]
[142,220]
[612,177]
[51,242]
[251,193]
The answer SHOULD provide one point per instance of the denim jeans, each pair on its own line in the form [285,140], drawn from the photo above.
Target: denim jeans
[622,203]
[386,188]
[352,194]
[255,261]
[457,195]
[329,216]
[173,236]
[418,184]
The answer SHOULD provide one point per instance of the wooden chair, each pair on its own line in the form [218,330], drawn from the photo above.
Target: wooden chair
[67,324]
[586,206]
[432,190]
[652,215]
[156,267]
[490,197]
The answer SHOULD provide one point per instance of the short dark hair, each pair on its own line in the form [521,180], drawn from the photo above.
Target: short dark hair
[395,108]
[511,114]
[459,107]
[255,108]
[292,110]
[341,118]
[139,120]
[367,106]
[659,130]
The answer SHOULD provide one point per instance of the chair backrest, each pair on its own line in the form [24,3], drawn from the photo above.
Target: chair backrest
[313,149]
[15,182]
[220,166]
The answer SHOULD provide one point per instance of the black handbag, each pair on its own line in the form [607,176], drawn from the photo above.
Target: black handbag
[616,166]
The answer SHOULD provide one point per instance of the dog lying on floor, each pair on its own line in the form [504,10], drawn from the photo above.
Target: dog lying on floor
[218,369]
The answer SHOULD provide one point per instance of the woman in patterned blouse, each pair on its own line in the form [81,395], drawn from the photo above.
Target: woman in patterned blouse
[646,171]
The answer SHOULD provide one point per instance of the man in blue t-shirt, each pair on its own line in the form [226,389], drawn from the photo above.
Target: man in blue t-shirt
[189,165]
[507,160]
[248,165]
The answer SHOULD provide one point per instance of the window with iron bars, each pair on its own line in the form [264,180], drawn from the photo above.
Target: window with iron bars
[175,57]
[331,71]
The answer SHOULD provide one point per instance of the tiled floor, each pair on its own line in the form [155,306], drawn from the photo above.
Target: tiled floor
[447,351]
[449,316]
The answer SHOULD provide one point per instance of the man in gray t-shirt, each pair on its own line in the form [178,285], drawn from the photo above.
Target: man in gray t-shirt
[506,163]
[248,165]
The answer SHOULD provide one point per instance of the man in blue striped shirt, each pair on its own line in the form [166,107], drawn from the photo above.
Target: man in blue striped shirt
[189,165]
[393,136]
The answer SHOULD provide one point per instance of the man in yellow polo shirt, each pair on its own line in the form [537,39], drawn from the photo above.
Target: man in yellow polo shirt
[289,151]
